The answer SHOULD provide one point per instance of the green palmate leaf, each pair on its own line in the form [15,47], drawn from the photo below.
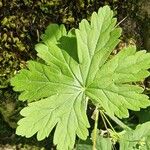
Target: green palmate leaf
[65,110]
[76,67]
[84,145]
[138,139]
[101,143]
[110,87]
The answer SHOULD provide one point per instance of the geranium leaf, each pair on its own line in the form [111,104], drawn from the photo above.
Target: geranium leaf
[110,87]
[42,81]
[136,139]
[102,143]
[68,111]
[84,145]
[95,42]
[76,66]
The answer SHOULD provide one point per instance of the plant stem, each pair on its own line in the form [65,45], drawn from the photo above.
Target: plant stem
[95,128]
[108,121]
[119,122]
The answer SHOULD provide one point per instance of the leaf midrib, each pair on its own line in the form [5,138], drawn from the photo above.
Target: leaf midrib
[92,57]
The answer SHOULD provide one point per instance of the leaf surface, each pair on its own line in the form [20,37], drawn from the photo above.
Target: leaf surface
[101,143]
[95,42]
[111,86]
[68,111]
[136,139]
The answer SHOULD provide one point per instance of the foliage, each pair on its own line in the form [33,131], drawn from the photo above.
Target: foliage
[21,23]
[102,143]
[76,67]
[136,139]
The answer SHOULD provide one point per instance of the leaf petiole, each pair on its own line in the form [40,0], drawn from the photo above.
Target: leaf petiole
[95,128]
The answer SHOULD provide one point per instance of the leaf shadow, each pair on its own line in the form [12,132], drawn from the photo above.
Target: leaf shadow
[69,44]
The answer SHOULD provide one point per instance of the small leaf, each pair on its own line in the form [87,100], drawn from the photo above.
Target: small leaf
[136,139]
[84,145]
[101,143]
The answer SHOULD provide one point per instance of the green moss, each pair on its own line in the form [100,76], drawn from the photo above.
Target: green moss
[9,107]
[20,147]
